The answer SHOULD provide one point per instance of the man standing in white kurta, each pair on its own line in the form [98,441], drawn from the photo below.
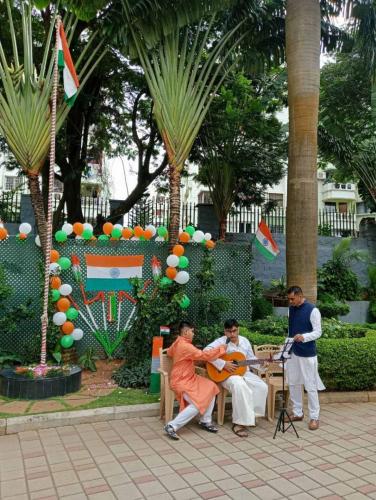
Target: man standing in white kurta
[302,368]
[249,392]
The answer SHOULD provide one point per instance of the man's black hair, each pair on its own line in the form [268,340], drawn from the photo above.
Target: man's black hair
[296,290]
[185,324]
[230,323]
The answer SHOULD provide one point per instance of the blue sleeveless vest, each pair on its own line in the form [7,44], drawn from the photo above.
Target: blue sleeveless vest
[299,322]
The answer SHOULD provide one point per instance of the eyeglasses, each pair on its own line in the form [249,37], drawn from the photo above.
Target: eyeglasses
[232,330]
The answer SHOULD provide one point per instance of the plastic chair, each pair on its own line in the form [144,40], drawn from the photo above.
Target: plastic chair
[166,405]
[273,375]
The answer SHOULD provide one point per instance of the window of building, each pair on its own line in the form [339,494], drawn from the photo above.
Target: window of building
[277,198]
[204,197]
[12,182]
[330,206]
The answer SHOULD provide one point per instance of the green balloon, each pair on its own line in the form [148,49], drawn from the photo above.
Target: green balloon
[61,236]
[72,313]
[64,263]
[183,262]
[103,237]
[165,282]
[116,233]
[67,341]
[190,230]
[185,302]
[142,238]
[87,234]
[55,294]
[162,231]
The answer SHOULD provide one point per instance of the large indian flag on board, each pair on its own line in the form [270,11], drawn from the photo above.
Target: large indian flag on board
[265,243]
[65,63]
[109,273]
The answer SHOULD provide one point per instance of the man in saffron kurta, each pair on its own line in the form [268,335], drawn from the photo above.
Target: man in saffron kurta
[195,394]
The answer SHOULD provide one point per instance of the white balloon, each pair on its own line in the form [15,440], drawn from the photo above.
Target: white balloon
[67,228]
[172,260]
[134,238]
[207,236]
[37,241]
[151,228]
[87,225]
[59,318]
[77,334]
[25,228]
[159,239]
[79,237]
[118,226]
[182,277]
[65,289]
[198,236]
[55,268]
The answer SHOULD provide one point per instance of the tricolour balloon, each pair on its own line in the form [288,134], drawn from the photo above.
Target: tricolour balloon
[172,260]
[65,289]
[182,277]
[59,318]
[67,228]
[25,228]
[77,334]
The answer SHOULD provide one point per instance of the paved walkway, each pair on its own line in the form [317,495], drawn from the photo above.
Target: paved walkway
[131,459]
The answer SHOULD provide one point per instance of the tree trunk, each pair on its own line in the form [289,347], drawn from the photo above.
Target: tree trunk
[303,67]
[173,230]
[222,228]
[72,196]
[37,203]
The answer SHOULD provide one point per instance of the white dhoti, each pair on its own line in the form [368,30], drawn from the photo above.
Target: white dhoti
[304,371]
[249,395]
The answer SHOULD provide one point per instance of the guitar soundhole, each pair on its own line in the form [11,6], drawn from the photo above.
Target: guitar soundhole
[235,362]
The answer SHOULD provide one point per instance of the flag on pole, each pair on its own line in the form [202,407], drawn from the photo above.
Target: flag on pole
[265,243]
[65,63]
[111,273]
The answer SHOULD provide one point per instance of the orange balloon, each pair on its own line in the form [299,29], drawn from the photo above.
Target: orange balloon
[210,244]
[22,236]
[3,233]
[63,304]
[107,228]
[127,233]
[178,250]
[67,327]
[54,256]
[184,237]
[78,228]
[148,234]
[171,272]
[138,231]
[55,282]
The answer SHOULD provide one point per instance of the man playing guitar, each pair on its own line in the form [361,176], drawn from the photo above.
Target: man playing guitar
[248,392]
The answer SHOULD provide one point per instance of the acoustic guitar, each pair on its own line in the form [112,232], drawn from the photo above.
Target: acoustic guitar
[237,358]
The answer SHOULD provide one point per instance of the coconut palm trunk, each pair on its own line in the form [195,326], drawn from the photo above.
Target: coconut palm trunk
[303,67]
[174,189]
[38,207]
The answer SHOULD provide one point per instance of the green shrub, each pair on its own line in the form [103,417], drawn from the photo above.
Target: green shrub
[135,377]
[206,334]
[332,308]
[261,308]
[272,325]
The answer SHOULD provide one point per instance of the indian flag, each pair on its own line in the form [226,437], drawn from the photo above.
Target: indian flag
[265,243]
[110,273]
[65,63]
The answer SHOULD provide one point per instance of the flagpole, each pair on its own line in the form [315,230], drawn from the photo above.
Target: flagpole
[47,256]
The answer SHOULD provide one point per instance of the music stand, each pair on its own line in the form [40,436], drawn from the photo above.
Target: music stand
[283,426]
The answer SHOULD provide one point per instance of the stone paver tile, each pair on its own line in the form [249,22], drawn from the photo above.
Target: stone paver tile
[301,496]
[15,407]
[228,483]
[242,494]
[45,406]
[151,488]
[77,496]
[193,478]
[356,496]
[8,488]
[128,491]
[266,492]
[341,489]
[214,472]
[320,492]
[320,477]
[102,495]
[40,484]
[69,489]
[65,477]
[173,482]
[185,494]
[44,494]
[284,486]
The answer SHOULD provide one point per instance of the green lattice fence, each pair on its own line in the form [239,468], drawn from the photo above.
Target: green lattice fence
[22,261]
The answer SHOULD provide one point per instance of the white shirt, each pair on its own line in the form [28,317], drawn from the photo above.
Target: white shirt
[244,347]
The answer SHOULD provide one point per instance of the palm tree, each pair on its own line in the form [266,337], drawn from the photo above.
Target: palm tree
[303,70]
[25,103]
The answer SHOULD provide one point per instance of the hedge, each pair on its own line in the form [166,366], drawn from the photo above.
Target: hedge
[344,364]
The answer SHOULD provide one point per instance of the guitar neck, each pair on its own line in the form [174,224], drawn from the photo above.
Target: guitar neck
[248,362]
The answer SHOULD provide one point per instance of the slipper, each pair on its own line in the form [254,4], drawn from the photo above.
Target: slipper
[241,431]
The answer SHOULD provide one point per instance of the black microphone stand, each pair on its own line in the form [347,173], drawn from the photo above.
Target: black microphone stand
[283,425]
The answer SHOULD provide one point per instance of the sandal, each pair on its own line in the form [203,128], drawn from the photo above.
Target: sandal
[241,431]
[208,427]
